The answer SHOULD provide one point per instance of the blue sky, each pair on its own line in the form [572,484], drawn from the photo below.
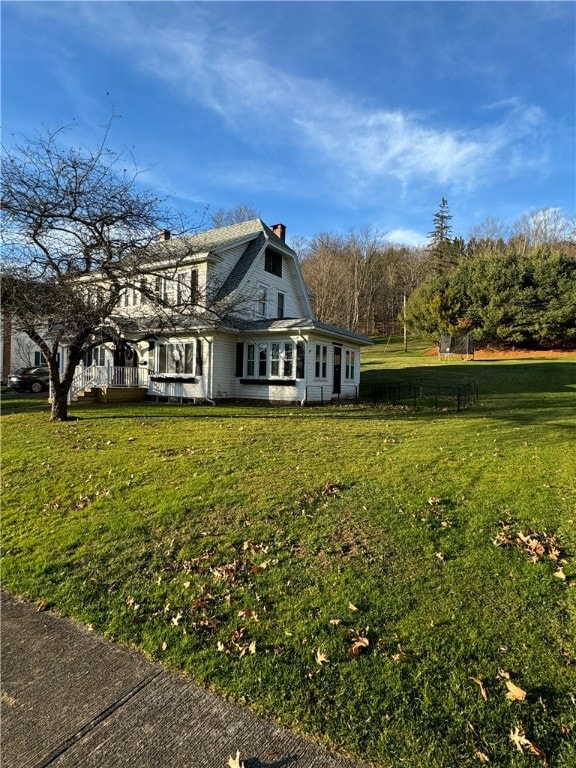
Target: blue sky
[326,116]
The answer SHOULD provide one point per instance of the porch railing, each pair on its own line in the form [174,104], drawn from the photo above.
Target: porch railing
[108,376]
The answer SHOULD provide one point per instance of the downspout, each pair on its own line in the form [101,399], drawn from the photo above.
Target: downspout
[303,401]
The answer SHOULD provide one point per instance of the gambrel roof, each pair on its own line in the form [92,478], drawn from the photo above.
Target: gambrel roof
[242,267]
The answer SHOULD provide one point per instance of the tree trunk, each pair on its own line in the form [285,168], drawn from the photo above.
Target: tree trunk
[59,403]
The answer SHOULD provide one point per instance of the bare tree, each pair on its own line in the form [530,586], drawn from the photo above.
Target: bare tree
[241,212]
[78,235]
[490,230]
[547,226]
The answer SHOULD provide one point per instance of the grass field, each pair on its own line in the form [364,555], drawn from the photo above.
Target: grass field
[398,583]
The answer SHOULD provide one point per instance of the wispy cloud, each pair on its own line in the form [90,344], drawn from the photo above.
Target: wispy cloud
[212,64]
[406,237]
[366,144]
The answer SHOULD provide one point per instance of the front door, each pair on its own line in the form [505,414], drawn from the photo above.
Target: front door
[125,356]
[337,372]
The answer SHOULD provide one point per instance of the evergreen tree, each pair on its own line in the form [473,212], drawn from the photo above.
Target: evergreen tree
[443,251]
[442,230]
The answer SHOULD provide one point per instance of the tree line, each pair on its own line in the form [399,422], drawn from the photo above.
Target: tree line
[451,285]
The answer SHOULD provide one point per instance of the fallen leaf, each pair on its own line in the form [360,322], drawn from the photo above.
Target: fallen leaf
[358,645]
[560,574]
[177,619]
[252,647]
[514,692]
[518,738]
[248,613]
[234,762]
[482,689]
[335,621]
[535,749]
[42,605]
[397,657]
[482,756]
[261,567]
[352,607]
[502,673]
[440,556]
[321,658]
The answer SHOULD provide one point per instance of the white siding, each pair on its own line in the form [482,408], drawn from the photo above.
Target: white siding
[224,366]
[288,284]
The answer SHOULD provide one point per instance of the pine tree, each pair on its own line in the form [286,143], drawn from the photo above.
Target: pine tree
[443,253]
[442,229]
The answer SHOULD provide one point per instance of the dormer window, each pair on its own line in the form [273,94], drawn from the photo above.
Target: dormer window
[273,263]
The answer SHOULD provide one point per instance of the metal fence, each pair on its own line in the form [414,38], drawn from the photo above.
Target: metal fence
[426,394]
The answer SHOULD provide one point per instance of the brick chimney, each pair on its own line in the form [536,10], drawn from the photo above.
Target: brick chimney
[164,234]
[280,231]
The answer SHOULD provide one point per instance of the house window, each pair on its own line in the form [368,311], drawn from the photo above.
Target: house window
[262,299]
[321,365]
[194,290]
[199,358]
[262,359]
[39,359]
[180,288]
[176,358]
[300,360]
[275,360]
[273,263]
[280,309]
[95,356]
[250,360]
[187,287]
[350,364]
[288,359]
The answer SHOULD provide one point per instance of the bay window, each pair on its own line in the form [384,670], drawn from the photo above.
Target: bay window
[267,360]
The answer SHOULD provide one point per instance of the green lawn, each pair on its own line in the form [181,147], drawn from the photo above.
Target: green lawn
[368,575]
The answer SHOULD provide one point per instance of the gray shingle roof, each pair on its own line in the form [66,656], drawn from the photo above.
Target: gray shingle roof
[216,238]
[301,324]
[240,270]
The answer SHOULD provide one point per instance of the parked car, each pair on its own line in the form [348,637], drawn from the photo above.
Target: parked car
[33,379]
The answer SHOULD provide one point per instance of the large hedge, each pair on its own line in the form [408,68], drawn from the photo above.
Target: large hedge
[526,300]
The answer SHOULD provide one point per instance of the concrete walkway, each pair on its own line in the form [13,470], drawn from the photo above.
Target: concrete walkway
[70,699]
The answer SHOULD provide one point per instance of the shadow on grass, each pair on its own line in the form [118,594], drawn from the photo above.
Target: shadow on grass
[492,377]
[522,393]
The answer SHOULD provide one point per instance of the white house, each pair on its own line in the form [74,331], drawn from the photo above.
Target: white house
[274,350]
